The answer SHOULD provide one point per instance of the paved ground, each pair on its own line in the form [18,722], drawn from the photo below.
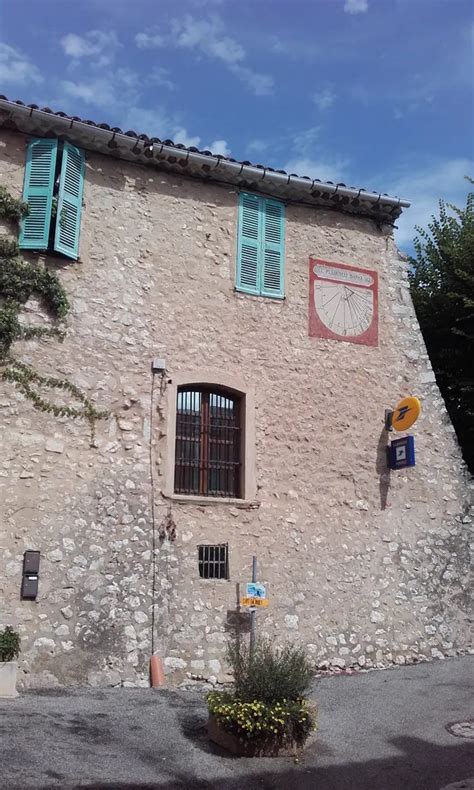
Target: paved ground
[377,731]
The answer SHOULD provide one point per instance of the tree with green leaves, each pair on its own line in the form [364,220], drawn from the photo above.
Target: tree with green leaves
[442,287]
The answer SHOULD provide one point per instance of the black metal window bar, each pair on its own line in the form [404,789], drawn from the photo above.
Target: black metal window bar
[208,441]
[214,561]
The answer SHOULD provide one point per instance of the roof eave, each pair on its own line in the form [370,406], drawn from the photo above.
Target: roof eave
[382,208]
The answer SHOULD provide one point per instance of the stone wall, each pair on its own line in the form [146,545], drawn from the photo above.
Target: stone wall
[365,568]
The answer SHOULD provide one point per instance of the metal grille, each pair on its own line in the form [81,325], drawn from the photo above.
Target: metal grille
[208,437]
[214,561]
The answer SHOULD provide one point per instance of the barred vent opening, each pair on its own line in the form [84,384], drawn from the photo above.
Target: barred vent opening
[214,561]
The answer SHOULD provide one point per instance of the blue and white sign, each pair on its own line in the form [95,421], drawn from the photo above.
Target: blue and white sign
[402,453]
[256,590]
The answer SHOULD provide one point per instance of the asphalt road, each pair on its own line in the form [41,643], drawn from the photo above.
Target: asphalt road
[383,730]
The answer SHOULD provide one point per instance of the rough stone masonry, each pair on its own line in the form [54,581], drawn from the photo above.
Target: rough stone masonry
[364,567]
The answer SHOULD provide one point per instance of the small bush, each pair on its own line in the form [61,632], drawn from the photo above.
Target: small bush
[283,721]
[270,674]
[268,702]
[9,644]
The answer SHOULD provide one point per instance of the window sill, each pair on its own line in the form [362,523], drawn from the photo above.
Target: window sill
[259,296]
[49,252]
[190,499]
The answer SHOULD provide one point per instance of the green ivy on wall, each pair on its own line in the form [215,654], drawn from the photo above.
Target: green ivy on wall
[19,280]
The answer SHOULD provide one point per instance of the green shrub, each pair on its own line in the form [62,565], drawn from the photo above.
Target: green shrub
[268,702]
[9,644]
[270,674]
[10,207]
[282,721]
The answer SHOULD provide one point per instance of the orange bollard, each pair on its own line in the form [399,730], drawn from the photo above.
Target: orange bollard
[157,673]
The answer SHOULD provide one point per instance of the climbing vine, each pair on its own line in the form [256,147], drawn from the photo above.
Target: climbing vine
[19,280]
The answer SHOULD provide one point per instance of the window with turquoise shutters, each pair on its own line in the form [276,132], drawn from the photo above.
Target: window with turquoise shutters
[68,221]
[54,175]
[248,257]
[260,252]
[38,193]
[272,248]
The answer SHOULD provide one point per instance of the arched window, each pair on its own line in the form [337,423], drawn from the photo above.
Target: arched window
[208,450]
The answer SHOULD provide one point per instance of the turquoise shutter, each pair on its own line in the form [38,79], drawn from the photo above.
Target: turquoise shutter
[273,249]
[248,259]
[68,222]
[38,193]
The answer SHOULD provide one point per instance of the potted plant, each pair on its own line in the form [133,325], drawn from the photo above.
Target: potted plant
[267,714]
[9,652]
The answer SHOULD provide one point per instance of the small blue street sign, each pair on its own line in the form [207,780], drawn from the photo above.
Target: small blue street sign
[256,590]
[401,453]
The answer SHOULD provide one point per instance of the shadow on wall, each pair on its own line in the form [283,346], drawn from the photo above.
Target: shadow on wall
[383,470]
[129,176]
[123,175]
[418,765]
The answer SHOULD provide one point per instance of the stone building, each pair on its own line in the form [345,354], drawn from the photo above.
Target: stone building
[246,330]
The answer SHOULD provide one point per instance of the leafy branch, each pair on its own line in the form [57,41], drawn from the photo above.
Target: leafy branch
[19,280]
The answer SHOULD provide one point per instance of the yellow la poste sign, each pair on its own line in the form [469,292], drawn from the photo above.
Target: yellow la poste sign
[406,413]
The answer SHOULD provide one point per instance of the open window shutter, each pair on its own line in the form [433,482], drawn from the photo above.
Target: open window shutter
[38,193]
[68,222]
[248,259]
[273,242]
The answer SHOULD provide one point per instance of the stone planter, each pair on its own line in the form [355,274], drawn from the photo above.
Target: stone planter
[8,679]
[264,747]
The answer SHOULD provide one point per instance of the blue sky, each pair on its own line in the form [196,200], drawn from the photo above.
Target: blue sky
[374,93]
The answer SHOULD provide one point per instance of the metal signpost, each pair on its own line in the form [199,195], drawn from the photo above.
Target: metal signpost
[253,621]
[256,597]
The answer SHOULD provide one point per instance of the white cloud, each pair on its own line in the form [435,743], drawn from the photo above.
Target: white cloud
[257,146]
[116,90]
[293,47]
[219,147]
[16,68]
[356,6]
[155,123]
[149,40]
[416,95]
[305,141]
[95,42]
[208,37]
[424,187]
[126,77]
[325,170]
[259,84]
[324,99]
[181,137]
[96,92]
[120,93]
[159,76]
